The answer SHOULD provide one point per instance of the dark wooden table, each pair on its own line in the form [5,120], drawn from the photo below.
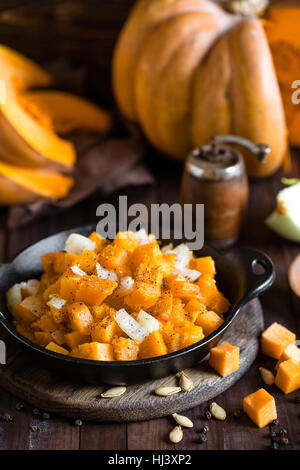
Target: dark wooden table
[279,305]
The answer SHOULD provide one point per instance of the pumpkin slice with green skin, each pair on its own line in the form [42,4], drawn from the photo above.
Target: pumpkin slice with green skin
[23,185]
[66,111]
[19,72]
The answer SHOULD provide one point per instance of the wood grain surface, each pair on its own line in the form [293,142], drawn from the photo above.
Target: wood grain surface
[50,391]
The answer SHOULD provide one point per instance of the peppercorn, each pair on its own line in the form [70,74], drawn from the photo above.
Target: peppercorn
[275,422]
[202,437]
[205,429]
[208,415]
[283,432]
[78,422]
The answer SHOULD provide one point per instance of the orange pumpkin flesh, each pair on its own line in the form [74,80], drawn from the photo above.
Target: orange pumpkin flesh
[186,70]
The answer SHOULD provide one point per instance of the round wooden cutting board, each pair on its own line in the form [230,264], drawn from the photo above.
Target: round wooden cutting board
[49,391]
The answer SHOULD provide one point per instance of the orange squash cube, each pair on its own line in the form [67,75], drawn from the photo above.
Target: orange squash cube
[98,240]
[24,330]
[163,307]
[126,240]
[56,348]
[94,351]
[178,315]
[275,339]
[92,290]
[63,261]
[205,265]
[30,309]
[212,297]
[224,359]
[113,257]
[288,376]
[194,305]
[74,338]
[180,287]
[48,262]
[145,254]
[105,330]
[45,323]
[290,352]
[125,349]
[153,345]
[80,318]
[150,274]
[68,287]
[42,338]
[101,311]
[143,296]
[260,406]
[209,321]
[87,261]
[190,335]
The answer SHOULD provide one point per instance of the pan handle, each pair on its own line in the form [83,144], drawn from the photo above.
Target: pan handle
[259,270]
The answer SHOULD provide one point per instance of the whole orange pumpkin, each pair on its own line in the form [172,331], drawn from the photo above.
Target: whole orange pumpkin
[186,70]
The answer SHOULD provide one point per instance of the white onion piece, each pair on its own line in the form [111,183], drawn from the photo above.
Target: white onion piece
[13,297]
[147,321]
[56,302]
[142,236]
[190,274]
[76,244]
[31,286]
[167,249]
[76,270]
[105,273]
[126,285]
[130,326]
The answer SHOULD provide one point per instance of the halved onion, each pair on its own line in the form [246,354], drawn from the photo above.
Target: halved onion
[147,321]
[130,326]
[76,244]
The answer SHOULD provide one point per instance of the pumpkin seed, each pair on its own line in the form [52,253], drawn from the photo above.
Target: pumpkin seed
[185,382]
[267,376]
[113,392]
[183,420]
[176,434]
[166,391]
[217,411]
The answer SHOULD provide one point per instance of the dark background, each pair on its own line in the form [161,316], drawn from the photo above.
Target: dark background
[83,33]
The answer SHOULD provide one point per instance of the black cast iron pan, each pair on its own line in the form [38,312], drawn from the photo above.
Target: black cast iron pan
[237,277]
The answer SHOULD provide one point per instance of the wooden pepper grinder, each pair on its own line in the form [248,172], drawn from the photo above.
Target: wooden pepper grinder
[215,175]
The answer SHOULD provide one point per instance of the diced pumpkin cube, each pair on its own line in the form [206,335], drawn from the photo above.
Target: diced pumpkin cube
[163,307]
[57,309]
[87,261]
[99,241]
[113,257]
[205,265]
[58,336]
[209,321]
[260,407]
[219,304]
[275,339]
[195,305]
[68,287]
[213,299]
[94,351]
[30,308]
[63,261]
[288,376]
[48,262]
[24,330]
[43,338]
[178,315]
[167,264]
[125,349]
[290,352]
[56,348]
[146,254]
[105,330]
[191,335]
[143,296]
[180,287]
[53,289]
[152,346]
[93,290]
[150,274]
[101,311]
[74,338]
[45,323]
[225,359]
[126,240]
[80,318]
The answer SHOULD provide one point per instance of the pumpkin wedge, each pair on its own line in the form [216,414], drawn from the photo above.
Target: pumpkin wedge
[23,185]
[66,112]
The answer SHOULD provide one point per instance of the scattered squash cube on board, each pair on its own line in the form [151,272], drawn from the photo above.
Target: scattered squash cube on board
[275,339]
[58,349]
[260,406]
[288,376]
[290,352]
[209,321]
[225,359]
